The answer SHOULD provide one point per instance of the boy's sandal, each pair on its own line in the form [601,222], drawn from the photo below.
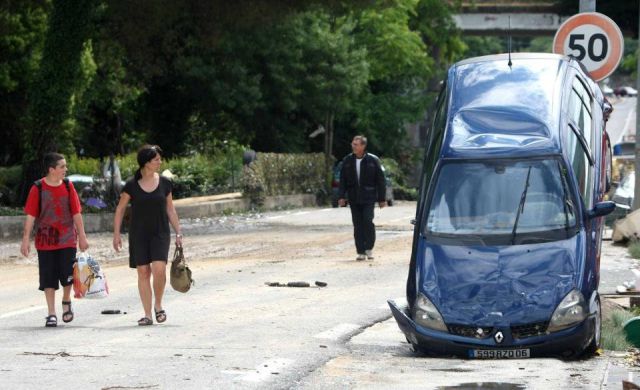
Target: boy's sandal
[52,321]
[161,316]
[144,321]
[67,316]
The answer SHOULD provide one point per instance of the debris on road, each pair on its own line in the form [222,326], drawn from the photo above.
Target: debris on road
[295,284]
[111,311]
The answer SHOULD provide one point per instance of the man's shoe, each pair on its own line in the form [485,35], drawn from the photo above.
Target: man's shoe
[361,257]
[369,254]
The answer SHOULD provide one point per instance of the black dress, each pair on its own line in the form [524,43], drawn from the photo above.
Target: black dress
[149,234]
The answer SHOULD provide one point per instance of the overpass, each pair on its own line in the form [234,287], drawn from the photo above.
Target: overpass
[491,17]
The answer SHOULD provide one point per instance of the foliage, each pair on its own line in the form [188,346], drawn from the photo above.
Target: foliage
[104,77]
[398,180]
[629,63]
[11,211]
[634,249]
[479,46]
[23,25]
[10,178]
[286,174]
[613,336]
[400,70]
[82,166]
[57,86]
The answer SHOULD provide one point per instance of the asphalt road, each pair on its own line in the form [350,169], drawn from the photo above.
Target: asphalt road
[233,331]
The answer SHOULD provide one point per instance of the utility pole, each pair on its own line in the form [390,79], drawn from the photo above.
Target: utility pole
[636,192]
[587,6]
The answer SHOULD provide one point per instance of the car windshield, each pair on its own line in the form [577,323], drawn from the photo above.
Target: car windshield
[501,203]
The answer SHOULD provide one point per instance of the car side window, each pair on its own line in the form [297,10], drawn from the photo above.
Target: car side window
[582,169]
[580,104]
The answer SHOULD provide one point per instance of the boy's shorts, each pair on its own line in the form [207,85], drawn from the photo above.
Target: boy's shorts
[56,266]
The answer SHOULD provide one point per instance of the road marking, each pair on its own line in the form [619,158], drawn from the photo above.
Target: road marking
[337,331]
[22,311]
[266,370]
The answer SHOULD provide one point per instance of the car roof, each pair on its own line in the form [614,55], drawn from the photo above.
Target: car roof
[499,109]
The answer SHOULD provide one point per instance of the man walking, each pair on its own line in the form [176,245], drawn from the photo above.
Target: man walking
[362,180]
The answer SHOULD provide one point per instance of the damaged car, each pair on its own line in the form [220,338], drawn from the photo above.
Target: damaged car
[506,245]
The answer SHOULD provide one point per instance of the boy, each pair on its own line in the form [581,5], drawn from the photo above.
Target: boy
[53,205]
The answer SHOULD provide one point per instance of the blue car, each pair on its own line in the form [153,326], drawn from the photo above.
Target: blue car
[506,245]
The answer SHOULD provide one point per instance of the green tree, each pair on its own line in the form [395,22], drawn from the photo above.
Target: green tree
[335,72]
[397,84]
[22,28]
[57,84]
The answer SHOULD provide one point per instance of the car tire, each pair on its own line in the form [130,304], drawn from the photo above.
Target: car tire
[594,345]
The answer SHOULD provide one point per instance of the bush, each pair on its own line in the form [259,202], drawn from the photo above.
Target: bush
[10,178]
[613,336]
[398,180]
[285,174]
[83,166]
[634,249]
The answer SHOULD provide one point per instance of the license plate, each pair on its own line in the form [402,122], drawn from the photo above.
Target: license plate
[499,353]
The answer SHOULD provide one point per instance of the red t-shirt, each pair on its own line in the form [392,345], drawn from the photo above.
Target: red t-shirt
[54,225]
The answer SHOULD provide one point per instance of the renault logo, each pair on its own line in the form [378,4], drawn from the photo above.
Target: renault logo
[498,337]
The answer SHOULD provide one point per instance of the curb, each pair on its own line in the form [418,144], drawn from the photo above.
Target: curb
[11,227]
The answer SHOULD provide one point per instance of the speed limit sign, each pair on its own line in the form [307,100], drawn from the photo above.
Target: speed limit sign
[593,39]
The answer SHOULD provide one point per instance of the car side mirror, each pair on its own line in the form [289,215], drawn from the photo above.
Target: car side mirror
[601,209]
[607,110]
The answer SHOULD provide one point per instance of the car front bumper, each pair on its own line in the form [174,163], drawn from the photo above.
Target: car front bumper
[566,343]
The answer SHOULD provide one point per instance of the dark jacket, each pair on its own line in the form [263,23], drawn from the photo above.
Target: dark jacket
[371,188]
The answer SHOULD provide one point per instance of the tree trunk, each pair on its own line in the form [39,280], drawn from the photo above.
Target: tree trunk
[55,84]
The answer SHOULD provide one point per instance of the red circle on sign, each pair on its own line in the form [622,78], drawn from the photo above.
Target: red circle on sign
[611,29]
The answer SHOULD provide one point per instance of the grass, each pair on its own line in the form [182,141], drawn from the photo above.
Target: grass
[613,337]
[634,249]
[10,211]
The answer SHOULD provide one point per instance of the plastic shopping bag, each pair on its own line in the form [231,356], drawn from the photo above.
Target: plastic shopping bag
[89,281]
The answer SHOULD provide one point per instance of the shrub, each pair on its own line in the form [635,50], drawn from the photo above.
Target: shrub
[83,166]
[398,180]
[285,174]
[634,248]
[10,178]
[613,337]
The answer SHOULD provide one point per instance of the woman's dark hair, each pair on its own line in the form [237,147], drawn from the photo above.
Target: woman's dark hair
[50,160]
[146,153]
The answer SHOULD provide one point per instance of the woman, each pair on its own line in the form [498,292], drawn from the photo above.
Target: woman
[149,236]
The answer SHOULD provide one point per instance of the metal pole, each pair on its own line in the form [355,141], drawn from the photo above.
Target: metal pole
[636,192]
[587,6]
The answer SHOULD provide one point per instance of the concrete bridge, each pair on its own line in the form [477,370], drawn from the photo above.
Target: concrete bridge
[491,17]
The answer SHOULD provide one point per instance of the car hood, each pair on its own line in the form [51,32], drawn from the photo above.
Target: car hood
[501,285]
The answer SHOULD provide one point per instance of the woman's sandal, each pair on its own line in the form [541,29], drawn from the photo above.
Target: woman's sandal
[144,321]
[67,316]
[161,316]
[52,321]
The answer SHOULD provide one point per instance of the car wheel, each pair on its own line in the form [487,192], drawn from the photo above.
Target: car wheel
[595,342]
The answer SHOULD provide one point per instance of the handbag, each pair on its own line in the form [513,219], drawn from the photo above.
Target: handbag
[180,274]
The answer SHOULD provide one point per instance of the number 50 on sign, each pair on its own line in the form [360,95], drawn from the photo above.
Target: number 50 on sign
[593,39]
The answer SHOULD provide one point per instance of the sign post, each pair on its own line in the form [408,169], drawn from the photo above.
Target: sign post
[593,39]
